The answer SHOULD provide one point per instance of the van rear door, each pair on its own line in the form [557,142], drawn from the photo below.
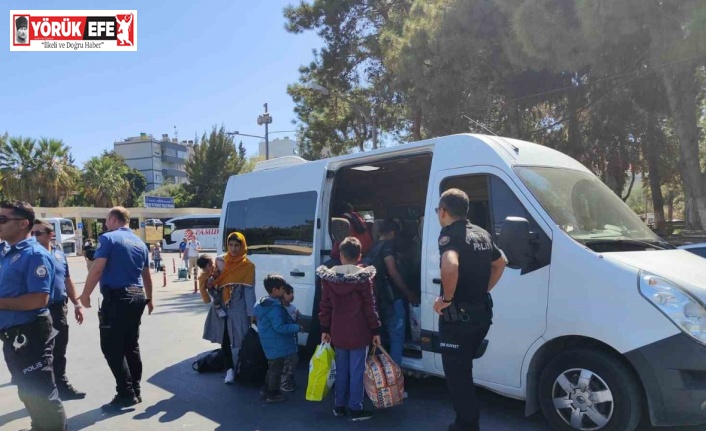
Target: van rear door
[277,211]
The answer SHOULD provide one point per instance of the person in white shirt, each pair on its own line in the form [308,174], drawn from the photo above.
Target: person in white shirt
[193,247]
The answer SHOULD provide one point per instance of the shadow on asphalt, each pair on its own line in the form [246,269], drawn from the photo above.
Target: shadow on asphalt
[92,417]
[240,407]
[13,416]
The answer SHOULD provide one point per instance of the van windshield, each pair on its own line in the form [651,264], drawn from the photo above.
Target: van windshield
[588,210]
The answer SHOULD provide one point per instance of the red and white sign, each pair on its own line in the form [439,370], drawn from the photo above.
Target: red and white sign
[73,30]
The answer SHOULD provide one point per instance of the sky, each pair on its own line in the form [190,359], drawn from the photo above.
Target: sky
[198,64]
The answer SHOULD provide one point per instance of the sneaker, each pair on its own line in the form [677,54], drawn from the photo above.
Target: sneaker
[361,415]
[230,376]
[339,412]
[275,398]
[120,402]
[287,386]
[70,393]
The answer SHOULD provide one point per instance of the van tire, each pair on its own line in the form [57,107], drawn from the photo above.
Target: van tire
[604,376]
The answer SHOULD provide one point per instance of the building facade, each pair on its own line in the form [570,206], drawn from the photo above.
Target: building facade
[280,148]
[161,161]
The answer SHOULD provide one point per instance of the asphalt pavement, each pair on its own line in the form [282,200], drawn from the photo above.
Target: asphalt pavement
[177,397]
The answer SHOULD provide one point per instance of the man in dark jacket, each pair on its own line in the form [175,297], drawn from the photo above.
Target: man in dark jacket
[349,320]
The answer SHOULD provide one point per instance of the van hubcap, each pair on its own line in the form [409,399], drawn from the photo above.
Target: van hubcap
[583,399]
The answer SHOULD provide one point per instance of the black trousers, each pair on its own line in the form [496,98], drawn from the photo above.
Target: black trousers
[28,354]
[274,375]
[59,319]
[120,317]
[459,343]
[225,347]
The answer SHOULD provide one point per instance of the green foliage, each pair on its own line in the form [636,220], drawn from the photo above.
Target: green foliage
[214,160]
[39,172]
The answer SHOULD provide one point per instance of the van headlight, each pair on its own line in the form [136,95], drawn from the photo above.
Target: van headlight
[687,313]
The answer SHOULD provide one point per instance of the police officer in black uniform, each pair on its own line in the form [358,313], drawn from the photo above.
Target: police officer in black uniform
[122,267]
[26,282]
[471,265]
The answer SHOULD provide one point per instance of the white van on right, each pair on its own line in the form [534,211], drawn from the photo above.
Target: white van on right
[597,321]
[625,311]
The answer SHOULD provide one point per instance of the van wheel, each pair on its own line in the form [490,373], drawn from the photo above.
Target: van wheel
[589,390]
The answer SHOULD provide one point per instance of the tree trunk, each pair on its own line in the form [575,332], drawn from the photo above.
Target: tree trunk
[514,119]
[655,140]
[574,146]
[682,89]
[417,126]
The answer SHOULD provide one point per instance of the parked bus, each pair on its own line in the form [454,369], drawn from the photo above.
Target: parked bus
[65,232]
[203,226]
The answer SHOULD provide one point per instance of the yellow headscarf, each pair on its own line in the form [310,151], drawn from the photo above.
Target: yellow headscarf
[238,269]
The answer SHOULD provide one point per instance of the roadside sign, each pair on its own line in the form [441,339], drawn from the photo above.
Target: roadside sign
[159,202]
[142,224]
[79,225]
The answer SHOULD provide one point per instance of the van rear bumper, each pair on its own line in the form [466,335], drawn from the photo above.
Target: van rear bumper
[673,373]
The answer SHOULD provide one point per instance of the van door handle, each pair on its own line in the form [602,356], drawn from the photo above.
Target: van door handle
[436,281]
[296,274]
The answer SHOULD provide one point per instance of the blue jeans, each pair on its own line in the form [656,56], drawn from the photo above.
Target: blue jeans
[393,321]
[350,367]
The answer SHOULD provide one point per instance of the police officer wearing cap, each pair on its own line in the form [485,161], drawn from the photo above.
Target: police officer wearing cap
[471,265]
[64,290]
[122,267]
[26,279]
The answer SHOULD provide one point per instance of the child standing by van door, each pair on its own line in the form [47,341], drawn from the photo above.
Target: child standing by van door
[290,364]
[276,334]
[349,321]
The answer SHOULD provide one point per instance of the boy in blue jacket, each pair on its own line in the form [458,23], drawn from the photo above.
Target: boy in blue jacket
[276,331]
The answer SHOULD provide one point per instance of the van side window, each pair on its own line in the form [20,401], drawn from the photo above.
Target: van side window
[282,224]
[491,201]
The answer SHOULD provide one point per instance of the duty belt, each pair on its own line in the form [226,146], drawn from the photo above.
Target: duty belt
[11,333]
[117,291]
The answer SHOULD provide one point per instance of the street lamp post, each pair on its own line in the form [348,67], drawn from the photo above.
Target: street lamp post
[369,118]
[266,119]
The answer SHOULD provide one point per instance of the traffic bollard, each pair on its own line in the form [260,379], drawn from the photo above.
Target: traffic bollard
[196,287]
[173,266]
[165,278]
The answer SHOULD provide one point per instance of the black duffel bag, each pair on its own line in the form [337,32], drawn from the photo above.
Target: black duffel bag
[211,362]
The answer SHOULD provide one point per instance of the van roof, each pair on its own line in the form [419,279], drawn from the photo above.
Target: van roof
[512,151]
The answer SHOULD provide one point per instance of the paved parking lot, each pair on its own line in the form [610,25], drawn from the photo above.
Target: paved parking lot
[176,397]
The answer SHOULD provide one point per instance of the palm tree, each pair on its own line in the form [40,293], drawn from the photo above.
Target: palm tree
[57,176]
[18,169]
[104,181]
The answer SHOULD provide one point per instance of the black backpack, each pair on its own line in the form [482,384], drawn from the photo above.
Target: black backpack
[210,362]
[252,364]
[383,290]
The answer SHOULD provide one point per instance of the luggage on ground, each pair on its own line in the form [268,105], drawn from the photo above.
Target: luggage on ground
[384,382]
[210,362]
[251,366]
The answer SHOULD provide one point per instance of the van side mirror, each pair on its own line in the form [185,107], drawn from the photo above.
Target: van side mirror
[514,241]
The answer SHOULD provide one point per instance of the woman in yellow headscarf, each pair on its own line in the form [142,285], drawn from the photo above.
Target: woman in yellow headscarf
[236,286]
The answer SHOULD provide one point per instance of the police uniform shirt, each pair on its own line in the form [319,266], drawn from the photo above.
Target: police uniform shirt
[476,250]
[25,268]
[61,273]
[126,255]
